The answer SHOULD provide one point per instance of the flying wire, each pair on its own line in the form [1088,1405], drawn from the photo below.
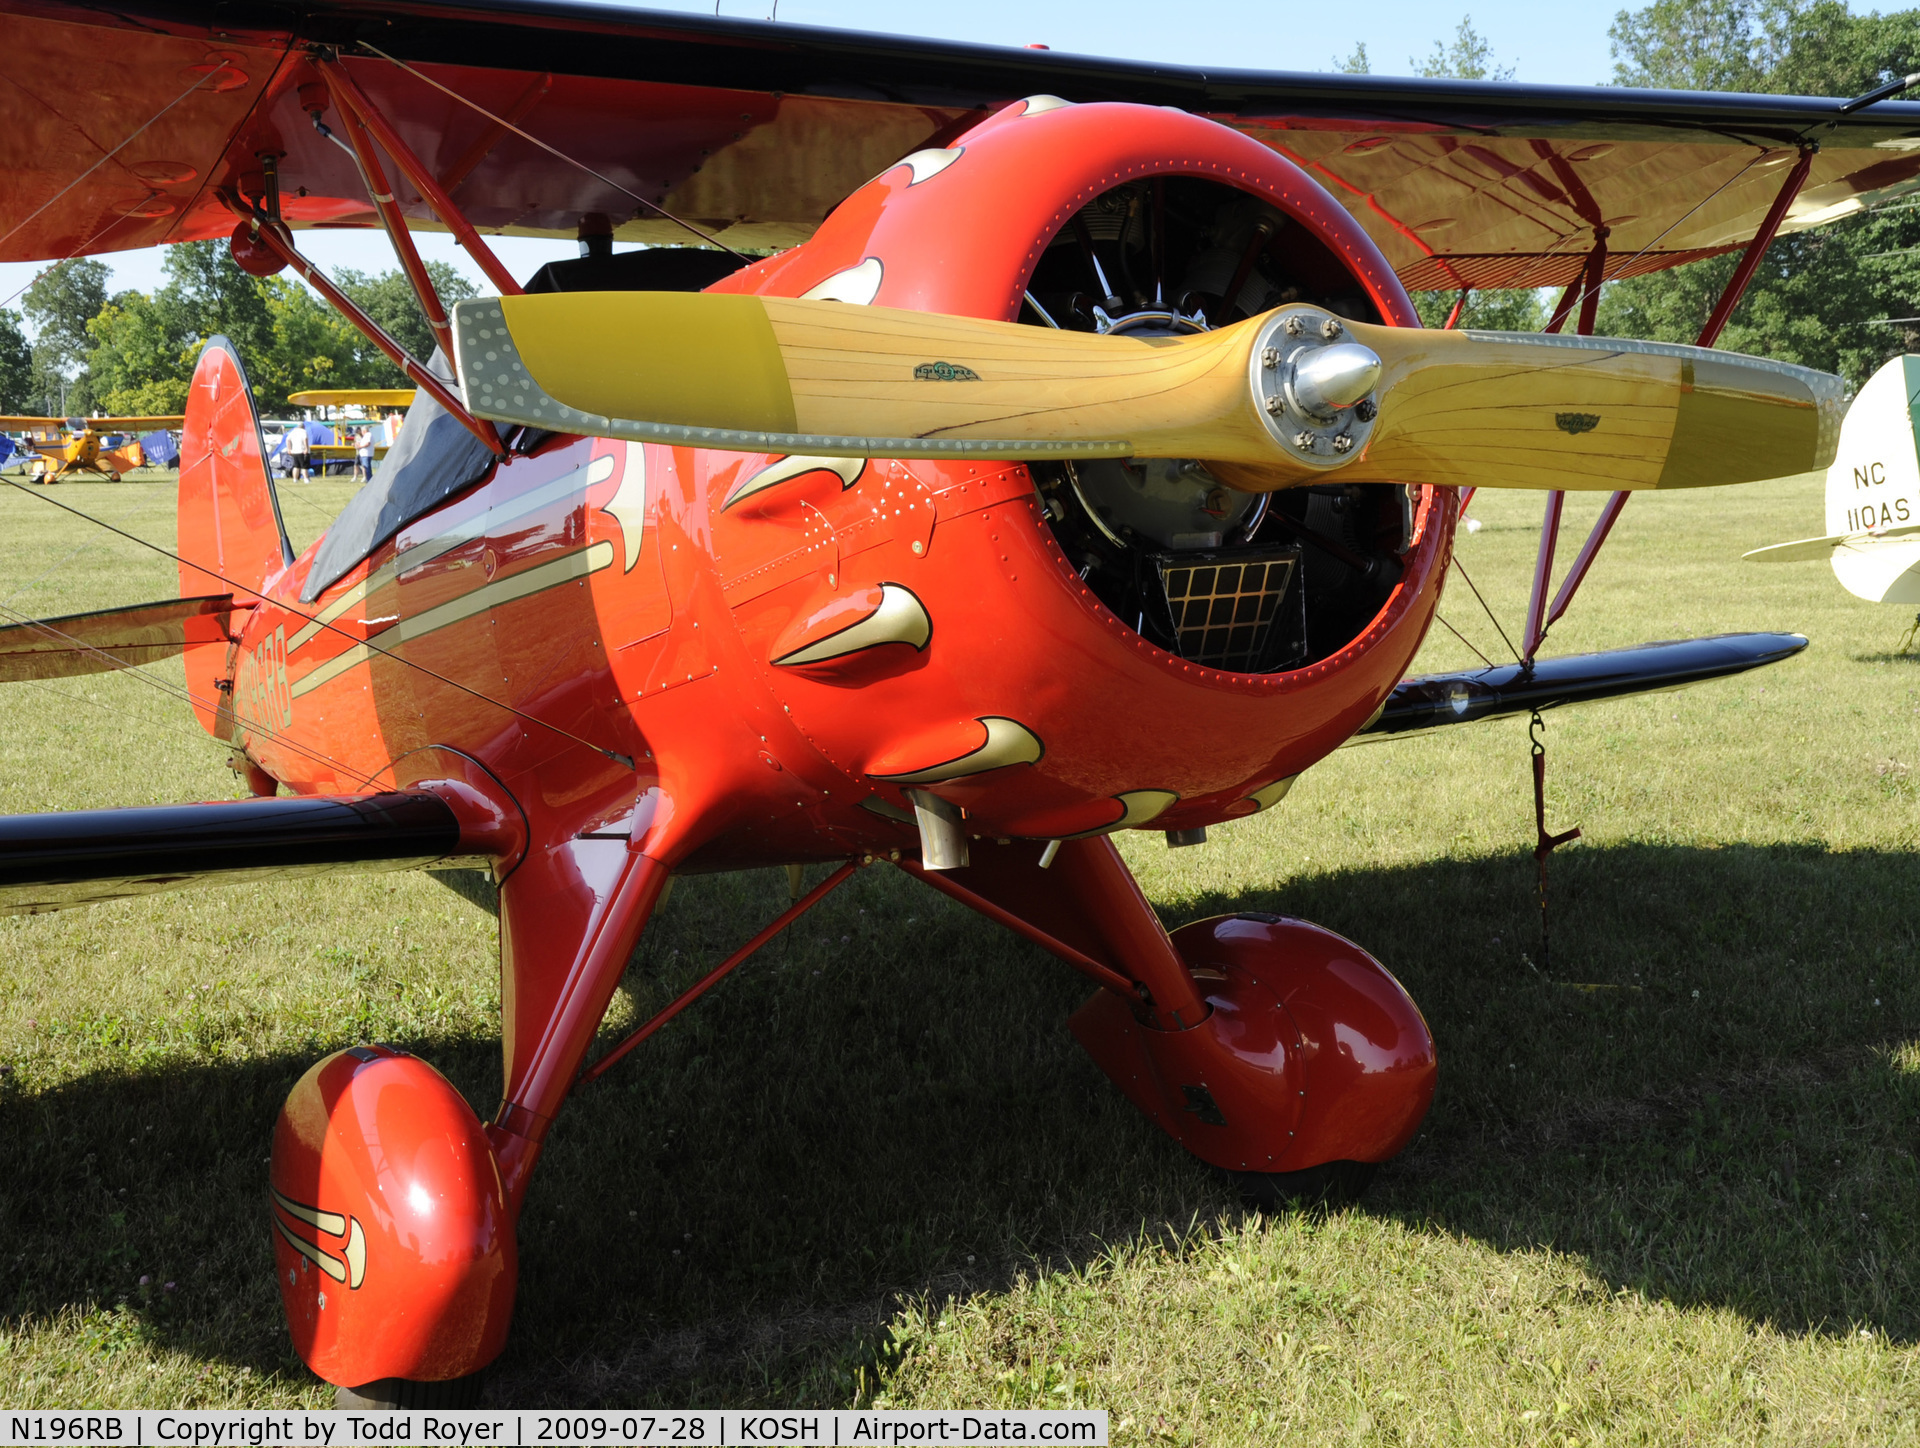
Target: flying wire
[1489,612]
[1464,639]
[330,627]
[108,156]
[50,270]
[557,153]
[177,692]
[1620,271]
[72,553]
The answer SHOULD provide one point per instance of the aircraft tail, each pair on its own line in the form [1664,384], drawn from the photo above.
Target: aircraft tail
[1873,493]
[231,537]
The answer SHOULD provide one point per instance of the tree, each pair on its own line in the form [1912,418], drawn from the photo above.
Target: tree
[1490,311]
[60,303]
[141,350]
[142,354]
[1820,297]
[1470,57]
[1774,47]
[16,365]
[389,300]
[215,298]
[312,346]
[1357,63]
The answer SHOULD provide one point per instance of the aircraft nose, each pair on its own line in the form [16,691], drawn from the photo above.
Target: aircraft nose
[1327,379]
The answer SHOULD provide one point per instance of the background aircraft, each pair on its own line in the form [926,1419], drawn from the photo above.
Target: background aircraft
[68,446]
[1873,495]
[683,612]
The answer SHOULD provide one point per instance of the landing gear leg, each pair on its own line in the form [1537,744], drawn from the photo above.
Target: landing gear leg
[394,1209]
[1268,1047]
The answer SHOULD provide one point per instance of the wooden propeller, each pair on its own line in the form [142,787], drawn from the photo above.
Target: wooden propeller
[1293,396]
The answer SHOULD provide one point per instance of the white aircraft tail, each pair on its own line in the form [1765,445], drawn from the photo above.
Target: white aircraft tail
[1873,493]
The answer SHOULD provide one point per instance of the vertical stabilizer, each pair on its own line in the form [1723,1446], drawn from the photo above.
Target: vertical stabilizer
[231,539]
[1874,486]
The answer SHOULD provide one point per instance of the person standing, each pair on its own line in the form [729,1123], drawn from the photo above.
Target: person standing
[299,445]
[363,455]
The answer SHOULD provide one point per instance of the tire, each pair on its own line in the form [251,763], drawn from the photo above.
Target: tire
[400,1393]
[1330,1185]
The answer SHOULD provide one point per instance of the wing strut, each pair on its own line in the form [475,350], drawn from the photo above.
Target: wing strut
[1541,617]
[352,101]
[273,235]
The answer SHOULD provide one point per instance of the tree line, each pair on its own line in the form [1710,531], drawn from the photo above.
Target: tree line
[131,352]
[1843,298]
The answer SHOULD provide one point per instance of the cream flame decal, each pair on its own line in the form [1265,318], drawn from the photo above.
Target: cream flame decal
[351,1266]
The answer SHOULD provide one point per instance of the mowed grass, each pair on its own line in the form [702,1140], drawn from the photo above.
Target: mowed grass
[1667,1193]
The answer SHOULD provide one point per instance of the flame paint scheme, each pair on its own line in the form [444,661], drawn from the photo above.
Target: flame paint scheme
[592,664]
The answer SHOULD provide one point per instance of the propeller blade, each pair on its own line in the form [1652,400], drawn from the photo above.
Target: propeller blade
[1278,400]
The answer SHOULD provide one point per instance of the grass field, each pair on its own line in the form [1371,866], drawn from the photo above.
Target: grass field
[1667,1194]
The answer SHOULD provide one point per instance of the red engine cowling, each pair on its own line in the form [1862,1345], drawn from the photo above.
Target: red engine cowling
[393,1242]
[1313,1052]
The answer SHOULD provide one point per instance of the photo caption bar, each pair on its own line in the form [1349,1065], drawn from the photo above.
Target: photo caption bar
[259,1428]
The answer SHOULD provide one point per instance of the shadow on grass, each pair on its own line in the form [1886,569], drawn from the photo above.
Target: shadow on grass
[888,1103]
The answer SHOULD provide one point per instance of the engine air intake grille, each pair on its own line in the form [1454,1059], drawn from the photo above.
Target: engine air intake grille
[1223,604]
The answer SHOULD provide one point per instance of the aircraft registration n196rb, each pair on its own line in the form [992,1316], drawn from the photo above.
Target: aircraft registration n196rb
[1065,458]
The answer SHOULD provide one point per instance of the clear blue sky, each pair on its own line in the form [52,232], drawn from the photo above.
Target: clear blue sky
[1558,44]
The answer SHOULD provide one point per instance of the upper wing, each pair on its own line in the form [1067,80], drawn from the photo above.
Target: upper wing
[93,424]
[756,131]
[133,424]
[354,397]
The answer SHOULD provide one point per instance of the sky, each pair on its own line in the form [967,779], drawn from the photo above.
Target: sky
[1562,44]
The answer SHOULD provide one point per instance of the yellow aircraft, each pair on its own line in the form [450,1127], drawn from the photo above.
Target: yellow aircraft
[387,397]
[374,399]
[65,445]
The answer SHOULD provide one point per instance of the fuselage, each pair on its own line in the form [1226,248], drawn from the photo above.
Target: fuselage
[750,659]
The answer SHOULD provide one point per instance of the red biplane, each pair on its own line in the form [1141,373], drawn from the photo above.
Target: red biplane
[1063,459]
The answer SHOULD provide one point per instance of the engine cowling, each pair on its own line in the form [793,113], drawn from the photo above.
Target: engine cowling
[1143,645]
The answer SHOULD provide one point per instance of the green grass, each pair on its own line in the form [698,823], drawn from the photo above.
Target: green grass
[1668,1192]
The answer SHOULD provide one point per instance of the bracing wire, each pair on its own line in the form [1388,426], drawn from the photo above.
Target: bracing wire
[556,153]
[332,628]
[178,692]
[1489,612]
[1463,639]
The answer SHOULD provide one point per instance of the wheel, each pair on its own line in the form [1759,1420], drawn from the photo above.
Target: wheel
[1331,1184]
[401,1393]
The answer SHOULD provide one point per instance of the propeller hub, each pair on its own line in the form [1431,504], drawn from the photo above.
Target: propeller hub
[1314,386]
[1327,379]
